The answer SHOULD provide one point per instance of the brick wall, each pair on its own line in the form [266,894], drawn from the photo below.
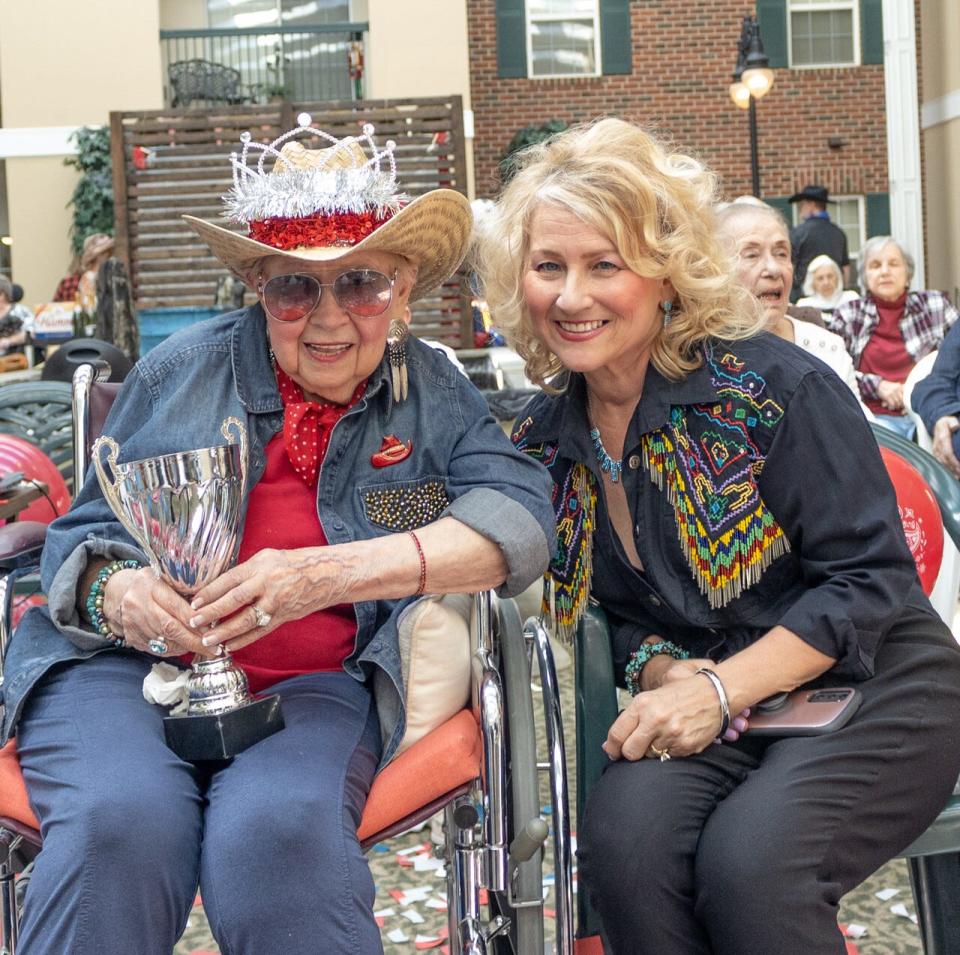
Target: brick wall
[683,55]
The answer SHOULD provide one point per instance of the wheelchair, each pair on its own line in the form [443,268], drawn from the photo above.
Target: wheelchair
[480,767]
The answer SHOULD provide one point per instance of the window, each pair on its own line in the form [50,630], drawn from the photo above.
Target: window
[562,37]
[824,33]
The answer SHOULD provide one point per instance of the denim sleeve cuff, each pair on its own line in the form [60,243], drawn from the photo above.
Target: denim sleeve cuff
[62,595]
[512,527]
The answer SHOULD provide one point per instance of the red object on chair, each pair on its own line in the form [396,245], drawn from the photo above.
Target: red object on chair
[920,515]
[16,454]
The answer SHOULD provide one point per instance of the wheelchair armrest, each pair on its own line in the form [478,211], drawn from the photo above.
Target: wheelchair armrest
[21,543]
[596,709]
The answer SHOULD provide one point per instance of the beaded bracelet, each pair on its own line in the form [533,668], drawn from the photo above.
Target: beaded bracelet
[94,603]
[423,565]
[639,658]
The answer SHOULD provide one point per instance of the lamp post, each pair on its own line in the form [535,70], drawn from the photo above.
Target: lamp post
[752,80]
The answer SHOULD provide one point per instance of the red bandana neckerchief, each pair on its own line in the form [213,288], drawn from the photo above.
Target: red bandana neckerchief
[307,425]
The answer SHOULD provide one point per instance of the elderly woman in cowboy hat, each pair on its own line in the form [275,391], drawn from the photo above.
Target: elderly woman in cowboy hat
[376,475]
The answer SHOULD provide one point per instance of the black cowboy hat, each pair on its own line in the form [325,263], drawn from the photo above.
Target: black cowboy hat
[813,193]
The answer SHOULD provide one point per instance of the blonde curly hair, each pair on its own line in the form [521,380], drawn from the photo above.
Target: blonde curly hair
[655,205]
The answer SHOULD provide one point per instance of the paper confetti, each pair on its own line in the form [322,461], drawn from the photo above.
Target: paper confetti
[884,895]
[412,915]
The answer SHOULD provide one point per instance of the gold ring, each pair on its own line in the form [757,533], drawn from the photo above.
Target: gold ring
[262,617]
[664,754]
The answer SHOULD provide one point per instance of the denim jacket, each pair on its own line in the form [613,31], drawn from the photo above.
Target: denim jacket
[176,398]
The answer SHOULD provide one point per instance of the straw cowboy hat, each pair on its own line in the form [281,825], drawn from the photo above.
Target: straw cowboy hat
[318,205]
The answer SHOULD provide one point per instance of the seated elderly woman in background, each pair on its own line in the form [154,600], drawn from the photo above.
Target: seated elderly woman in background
[689,457]
[756,237]
[890,329]
[374,478]
[823,286]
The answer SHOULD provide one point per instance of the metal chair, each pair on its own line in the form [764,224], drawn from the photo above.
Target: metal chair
[204,80]
[480,768]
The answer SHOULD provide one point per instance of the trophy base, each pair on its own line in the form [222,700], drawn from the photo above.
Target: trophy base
[220,736]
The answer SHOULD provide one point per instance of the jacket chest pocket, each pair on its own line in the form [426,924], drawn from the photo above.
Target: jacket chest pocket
[404,505]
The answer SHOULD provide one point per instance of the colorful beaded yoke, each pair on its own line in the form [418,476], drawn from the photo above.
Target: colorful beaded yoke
[708,460]
[574,503]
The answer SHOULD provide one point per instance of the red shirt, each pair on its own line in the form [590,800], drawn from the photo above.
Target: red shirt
[282,514]
[885,354]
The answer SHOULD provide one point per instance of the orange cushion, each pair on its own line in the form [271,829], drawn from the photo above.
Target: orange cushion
[13,790]
[445,758]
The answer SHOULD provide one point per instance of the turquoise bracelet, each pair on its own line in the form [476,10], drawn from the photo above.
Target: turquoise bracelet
[94,603]
[639,658]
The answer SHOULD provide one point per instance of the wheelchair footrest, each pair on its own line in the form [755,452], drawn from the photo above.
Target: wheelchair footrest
[219,736]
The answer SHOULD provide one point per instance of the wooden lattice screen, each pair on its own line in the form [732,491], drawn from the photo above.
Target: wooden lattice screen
[174,161]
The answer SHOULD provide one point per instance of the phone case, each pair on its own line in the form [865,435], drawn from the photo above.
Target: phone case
[806,713]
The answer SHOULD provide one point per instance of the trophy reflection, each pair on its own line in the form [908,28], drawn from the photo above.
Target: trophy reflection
[183,510]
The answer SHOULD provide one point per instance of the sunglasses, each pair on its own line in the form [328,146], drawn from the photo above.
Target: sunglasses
[365,293]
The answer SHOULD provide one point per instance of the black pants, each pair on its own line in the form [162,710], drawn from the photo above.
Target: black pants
[748,848]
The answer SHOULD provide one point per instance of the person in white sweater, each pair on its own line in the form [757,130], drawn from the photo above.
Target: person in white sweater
[757,238]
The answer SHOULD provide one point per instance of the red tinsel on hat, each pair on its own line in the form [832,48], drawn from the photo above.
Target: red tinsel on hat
[317,231]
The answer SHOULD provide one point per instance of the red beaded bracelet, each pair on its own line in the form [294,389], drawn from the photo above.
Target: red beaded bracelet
[423,566]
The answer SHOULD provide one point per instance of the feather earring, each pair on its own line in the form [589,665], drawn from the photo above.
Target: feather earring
[397,351]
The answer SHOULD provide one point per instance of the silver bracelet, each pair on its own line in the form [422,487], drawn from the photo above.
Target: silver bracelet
[722,694]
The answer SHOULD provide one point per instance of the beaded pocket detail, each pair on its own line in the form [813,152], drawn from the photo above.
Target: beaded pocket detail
[405,505]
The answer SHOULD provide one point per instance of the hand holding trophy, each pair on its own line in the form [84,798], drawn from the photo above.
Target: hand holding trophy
[183,509]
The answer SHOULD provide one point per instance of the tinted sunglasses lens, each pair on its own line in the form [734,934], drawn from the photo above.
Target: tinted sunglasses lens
[363,292]
[287,298]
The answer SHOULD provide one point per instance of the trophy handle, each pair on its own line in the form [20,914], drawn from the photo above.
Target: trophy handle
[228,425]
[109,486]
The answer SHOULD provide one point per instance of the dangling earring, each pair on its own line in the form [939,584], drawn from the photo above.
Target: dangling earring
[667,307]
[397,352]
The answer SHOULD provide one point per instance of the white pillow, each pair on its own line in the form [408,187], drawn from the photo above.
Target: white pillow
[435,660]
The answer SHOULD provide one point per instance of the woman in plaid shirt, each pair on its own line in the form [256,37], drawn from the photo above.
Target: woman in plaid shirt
[890,329]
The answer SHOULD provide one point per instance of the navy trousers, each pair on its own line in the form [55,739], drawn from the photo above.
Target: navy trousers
[130,830]
[746,849]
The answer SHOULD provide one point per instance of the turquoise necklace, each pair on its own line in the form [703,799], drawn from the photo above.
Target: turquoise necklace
[609,465]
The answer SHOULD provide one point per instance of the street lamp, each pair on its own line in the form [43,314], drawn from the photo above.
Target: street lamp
[752,80]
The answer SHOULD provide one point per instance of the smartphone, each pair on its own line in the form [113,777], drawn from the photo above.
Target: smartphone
[804,712]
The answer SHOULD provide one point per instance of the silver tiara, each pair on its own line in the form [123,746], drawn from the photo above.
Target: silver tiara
[295,193]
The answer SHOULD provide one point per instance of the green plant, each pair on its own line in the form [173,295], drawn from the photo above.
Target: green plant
[527,136]
[277,91]
[92,198]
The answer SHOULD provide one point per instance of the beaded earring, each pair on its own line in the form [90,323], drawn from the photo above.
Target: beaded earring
[667,307]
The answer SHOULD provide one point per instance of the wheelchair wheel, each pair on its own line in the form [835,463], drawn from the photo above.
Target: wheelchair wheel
[523,902]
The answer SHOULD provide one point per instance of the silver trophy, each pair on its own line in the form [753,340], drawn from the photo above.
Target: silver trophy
[183,510]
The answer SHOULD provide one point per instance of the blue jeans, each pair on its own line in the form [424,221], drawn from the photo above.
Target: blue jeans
[901,424]
[130,830]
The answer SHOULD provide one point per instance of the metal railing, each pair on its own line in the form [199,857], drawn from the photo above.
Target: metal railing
[302,63]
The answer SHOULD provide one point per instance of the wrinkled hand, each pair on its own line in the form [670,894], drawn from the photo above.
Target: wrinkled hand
[890,394]
[276,583]
[943,432]
[681,715]
[141,607]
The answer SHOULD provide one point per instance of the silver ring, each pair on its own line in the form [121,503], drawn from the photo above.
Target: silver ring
[158,646]
[263,618]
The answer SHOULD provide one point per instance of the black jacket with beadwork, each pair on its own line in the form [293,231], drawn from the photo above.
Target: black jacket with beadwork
[758,498]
